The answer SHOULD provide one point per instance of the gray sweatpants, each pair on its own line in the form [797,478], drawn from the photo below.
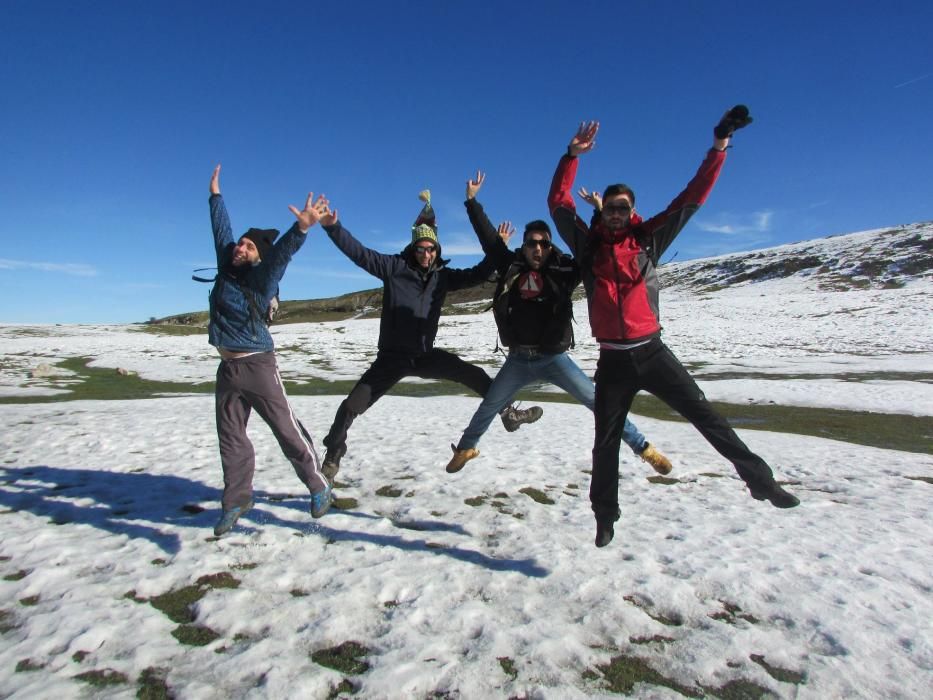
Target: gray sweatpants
[244,384]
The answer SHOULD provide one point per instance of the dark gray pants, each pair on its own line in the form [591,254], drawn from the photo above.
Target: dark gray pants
[248,383]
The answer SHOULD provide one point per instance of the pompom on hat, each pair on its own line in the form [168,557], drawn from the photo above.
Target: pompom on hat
[425,228]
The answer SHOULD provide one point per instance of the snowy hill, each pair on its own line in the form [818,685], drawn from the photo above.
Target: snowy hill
[879,259]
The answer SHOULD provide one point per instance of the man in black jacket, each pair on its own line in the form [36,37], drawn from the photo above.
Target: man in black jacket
[416,282]
[533,311]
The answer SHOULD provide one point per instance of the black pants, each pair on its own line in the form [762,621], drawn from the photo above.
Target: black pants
[385,373]
[620,374]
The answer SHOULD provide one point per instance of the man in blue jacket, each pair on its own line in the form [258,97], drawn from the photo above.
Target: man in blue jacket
[248,275]
[416,282]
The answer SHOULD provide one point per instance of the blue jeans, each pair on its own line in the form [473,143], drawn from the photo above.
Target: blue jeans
[519,371]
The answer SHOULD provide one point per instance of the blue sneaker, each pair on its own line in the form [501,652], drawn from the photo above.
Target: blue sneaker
[320,502]
[229,518]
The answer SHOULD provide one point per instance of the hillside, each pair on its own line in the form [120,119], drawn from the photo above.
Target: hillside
[879,259]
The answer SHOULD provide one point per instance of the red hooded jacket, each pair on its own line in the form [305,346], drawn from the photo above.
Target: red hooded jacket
[620,268]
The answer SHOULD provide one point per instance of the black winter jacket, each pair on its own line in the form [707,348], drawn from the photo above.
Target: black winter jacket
[544,323]
[411,298]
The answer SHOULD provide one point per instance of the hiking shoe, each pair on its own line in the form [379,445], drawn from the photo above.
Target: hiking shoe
[513,417]
[321,502]
[331,464]
[460,458]
[778,497]
[653,456]
[604,533]
[229,518]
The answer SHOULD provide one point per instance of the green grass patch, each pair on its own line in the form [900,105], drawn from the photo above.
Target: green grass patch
[7,621]
[389,492]
[673,620]
[151,685]
[779,674]
[28,665]
[740,689]
[508,666]
[345,658]
[176,604]
[345,503]
[537,495]
[18,576]
[80,656]
[171,328]
[102,678]
[623,672]
[29,601]
[194,635]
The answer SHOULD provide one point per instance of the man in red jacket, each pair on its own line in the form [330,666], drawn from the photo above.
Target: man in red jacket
[619,253]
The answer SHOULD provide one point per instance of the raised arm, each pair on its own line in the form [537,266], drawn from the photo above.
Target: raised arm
[665,226]
[220,220]
[488,235]
[375,263]
[572,229]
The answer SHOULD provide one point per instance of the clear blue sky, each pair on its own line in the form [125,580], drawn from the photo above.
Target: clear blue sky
[113,114]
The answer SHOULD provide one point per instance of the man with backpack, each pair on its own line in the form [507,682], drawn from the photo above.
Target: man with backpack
[533,310]
[415,284]
[619,253]
[248,275]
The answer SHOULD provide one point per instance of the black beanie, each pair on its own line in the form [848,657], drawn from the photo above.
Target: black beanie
[262,238]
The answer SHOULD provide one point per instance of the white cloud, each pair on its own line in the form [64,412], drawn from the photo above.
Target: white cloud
[76,269]
[731,225]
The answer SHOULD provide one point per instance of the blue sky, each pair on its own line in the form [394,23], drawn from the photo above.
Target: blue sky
[113,116]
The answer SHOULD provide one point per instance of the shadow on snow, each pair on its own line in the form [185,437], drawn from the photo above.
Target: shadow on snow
[137,504]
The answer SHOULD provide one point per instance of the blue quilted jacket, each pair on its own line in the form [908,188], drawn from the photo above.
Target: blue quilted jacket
[241,295]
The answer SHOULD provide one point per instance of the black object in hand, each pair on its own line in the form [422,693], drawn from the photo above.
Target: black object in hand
[736,118]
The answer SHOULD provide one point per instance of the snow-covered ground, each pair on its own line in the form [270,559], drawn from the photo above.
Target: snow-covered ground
[463,586]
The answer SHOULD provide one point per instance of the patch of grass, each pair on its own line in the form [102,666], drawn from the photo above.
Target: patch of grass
[194,635]
[537,495]
[172,328]
[102,678]
[779,674]
[732,611]
[344,687]
[158,562]
[298,593]
[663,480]
[243,567]
[740,689]
[192,509]
[345,658]
[508,666]
[28,665]
[388,491]
[345,503]
[927,479]
[151,685]
[176,604]
[80,656]
[475,501]
[7,621]
[18,576]
[623,672]
[656,638]
[29,600]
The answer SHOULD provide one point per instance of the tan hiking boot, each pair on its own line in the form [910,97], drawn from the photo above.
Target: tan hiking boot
[653,456]
[460,458]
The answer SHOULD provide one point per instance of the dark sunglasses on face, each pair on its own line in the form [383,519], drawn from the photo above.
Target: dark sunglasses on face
[424,249]
[617,209]
[541,243]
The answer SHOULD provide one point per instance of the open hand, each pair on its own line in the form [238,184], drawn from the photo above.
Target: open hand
[593,198]
[584,140]
[313,212]
[506,231]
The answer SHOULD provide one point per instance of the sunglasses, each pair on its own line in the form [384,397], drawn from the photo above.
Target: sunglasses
[424,249]
[541,243]
[617,209]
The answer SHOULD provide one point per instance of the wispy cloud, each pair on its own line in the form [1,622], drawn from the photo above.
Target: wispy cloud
[913,80]
[732,224]
[76,269]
